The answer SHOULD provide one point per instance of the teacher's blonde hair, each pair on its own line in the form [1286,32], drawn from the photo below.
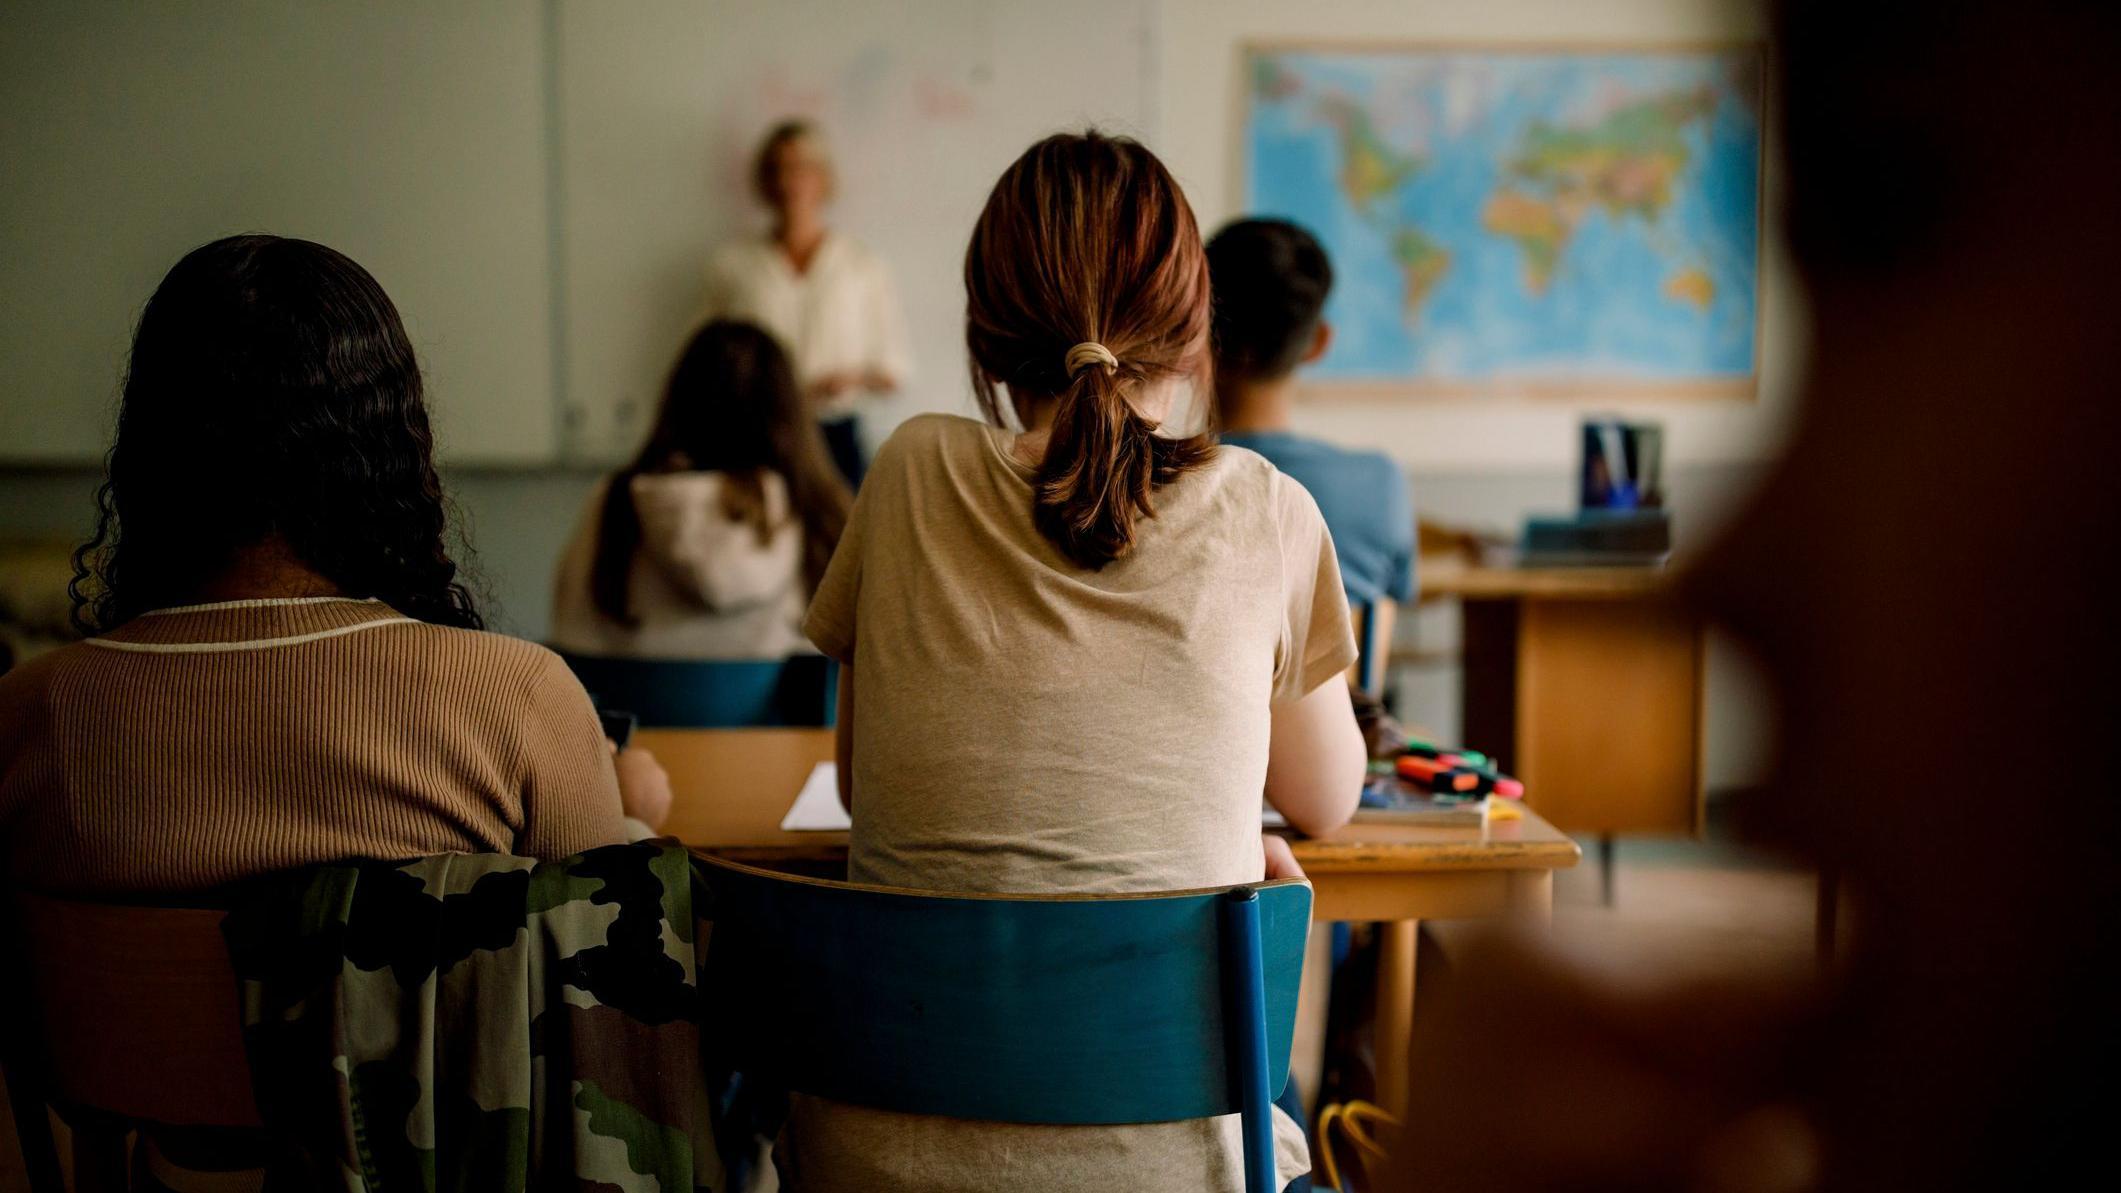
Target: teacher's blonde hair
[793,131]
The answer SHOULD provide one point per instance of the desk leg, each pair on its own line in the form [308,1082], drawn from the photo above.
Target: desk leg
[1397,942]
[1532,898]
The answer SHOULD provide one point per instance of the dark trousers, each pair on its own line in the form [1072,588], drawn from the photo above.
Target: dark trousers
[843,438]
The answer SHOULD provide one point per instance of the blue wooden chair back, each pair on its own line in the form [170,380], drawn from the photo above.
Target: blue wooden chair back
[686,694]
[1077,1010]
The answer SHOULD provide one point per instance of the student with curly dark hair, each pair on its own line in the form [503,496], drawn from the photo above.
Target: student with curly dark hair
[285,666]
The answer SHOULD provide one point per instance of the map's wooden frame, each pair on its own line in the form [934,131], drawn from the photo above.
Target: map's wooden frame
[1541,389]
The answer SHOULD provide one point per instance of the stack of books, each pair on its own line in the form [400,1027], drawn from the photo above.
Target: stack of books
[1598,538]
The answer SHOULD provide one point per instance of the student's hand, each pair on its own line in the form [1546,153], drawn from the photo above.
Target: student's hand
[1281,860]
[644,787]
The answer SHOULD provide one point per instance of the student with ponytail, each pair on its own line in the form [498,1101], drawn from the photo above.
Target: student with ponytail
[1077,649]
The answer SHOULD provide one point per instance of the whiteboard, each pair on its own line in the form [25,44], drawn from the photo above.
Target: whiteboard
[538,186]
[411,136]
[924,104]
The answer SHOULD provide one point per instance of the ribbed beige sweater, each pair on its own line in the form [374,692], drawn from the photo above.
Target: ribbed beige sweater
[191,747]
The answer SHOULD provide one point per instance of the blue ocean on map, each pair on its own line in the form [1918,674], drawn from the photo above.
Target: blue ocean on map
[1499,217]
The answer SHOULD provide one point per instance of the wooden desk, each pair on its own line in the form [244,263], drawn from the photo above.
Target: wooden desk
[1587,683]
[1398,876]
[733,786]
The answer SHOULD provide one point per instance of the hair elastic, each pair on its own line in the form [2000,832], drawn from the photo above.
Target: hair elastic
[1087,353]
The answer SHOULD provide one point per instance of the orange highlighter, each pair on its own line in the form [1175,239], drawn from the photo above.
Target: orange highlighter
[1435,775]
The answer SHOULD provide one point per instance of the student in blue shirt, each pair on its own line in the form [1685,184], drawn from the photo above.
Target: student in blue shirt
[1270,280]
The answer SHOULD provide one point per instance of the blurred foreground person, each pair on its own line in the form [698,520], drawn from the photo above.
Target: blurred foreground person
[1925,580]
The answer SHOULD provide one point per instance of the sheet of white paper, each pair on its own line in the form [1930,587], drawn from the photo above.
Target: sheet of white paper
[817,806]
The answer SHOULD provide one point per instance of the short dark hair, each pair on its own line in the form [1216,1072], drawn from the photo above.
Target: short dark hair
[1270,279]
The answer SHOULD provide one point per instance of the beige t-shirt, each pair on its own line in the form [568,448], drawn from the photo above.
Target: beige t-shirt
[1023,724]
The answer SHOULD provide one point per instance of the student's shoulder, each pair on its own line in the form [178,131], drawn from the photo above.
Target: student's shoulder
[26,685]
[1374,475]
[1370,465]
[930,434]
[483,661]
[1241,482]
[1308,453]
[1244,469]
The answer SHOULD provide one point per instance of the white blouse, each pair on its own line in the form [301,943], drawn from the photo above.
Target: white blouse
[839,315]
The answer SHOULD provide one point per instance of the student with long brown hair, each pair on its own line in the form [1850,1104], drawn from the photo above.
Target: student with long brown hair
[1085,647]
[708,544]
[285,665]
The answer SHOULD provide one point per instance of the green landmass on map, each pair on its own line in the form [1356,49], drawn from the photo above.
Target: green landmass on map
[1370,168]
[1625,164]
[1422,263]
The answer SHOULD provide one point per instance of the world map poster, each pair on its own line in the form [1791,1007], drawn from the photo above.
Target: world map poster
[1518,220]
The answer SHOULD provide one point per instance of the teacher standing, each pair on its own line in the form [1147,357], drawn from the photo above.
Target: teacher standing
[829,300]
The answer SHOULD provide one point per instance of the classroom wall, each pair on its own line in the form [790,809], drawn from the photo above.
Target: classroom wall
[406,134]
[591,155]
[538,185]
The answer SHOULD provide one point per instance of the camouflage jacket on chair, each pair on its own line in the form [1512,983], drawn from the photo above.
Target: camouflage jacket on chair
[479,1022]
